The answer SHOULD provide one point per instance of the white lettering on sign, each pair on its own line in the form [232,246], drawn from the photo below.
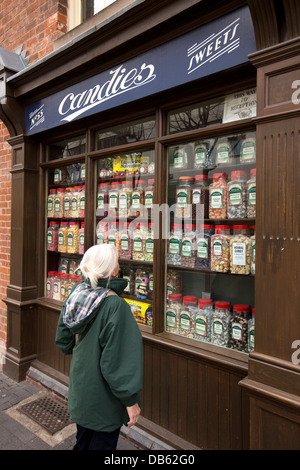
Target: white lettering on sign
[214,46]
[121,81]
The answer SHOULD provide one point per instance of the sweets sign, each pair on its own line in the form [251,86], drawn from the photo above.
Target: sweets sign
[219,45]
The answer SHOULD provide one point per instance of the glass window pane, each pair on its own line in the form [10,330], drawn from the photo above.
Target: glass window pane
[66,148]
[136,131]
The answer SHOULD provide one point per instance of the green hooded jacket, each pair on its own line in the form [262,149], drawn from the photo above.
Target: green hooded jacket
[106,370]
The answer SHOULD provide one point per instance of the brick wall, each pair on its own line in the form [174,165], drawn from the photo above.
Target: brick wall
[33,24]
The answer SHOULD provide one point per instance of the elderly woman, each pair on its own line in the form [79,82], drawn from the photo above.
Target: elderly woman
[97,327]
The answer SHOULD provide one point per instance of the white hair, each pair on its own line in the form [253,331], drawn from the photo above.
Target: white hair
[99,262]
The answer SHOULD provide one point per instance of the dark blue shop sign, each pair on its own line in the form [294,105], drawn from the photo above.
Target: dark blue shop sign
[219,45]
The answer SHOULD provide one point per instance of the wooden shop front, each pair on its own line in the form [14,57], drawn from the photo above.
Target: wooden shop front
[171,115]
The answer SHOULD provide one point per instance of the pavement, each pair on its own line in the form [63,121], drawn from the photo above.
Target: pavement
[19,432]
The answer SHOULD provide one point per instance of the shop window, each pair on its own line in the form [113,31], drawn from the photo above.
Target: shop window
[81,10]
[66,148]
[211,241]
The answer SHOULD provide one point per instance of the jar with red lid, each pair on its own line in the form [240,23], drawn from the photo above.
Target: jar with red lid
[59,203]
[101,232]
[202,324]
[81,239]
[218,196]
[50,284]
[187,316]
[184,197]
[251,194]
[220,323]
[238,327]
[173,312]
[200,197]
[237,195]
[203,247]
[220,249]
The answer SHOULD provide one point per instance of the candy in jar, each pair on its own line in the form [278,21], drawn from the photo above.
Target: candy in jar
[218,196]
[240,250]
[126,241]
[174,245]
[72,238]
[125,194]
[188,246]
[174,282]
[184,197]
[81,197]
[81,239]
[139,241]
[187,316]
[237,195]
[251,332]
[238,327]
[50,284]
[248,153]
[101,232]
[149,243]
[203,315]
[223,153]
[173,312]
[52,237]
[200,197]
[59,203]
[251,194]
[203,246]
[220,323]
[202,155]
[50,203]
[220,249]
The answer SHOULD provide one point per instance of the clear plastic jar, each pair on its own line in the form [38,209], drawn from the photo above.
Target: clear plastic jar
[200,197]
[174,282]
[50,284]
[184,197]
[113,199]
[202,155]
[223,156]
[149,193]
[188,247]
[238,327]
[149,243]
[101,232]
[237,195]
[251,194]
[240,250]
[218,196]
[126,241]
[203,316]
[72,281]
[253,251]
[125,196]
[113,235]
[220,323]
[139,242]
[64,287]
[52,236]
[138,199]
[75,203]
[68,203]
[128,274]
[180,158]
[248,150]
[187,316]
[220,249]
[174,304]
[56,286]
[73,237]
[174,245]
[81,239]
[251,332]
[59,203]
[102,199]
[50,203]
[81,197]
[203,247]
[63,237]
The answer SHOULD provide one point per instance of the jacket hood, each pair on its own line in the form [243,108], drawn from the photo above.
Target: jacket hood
[82,304]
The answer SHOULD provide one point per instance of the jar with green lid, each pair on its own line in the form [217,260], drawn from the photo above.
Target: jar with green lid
[248,150]
[184,197]
[173,312]
[203,316]
[220,323]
